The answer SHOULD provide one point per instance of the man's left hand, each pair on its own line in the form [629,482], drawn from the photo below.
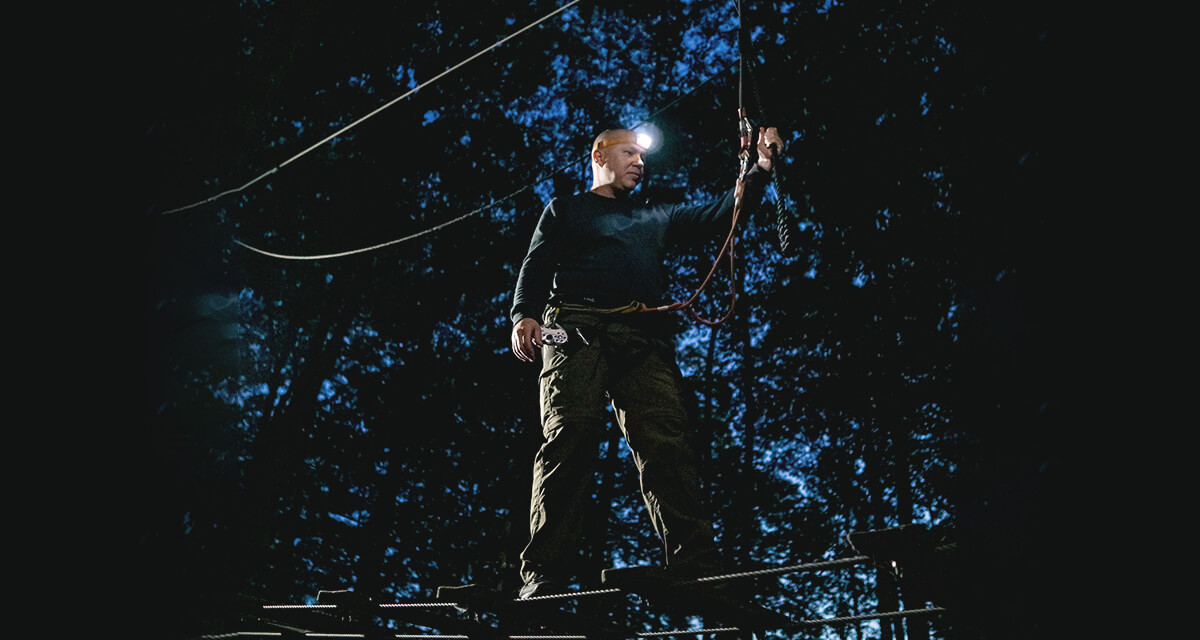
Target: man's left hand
[769,145]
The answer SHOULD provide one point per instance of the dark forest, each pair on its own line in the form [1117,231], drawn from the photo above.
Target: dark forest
[330,398]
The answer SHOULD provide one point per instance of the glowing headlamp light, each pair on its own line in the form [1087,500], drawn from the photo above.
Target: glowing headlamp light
[642,140]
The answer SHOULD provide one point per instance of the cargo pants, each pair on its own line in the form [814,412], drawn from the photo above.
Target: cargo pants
[627,362]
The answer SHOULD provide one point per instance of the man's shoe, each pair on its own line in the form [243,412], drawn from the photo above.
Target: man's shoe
[540,586]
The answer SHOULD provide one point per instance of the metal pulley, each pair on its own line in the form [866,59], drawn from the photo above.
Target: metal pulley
[746,134]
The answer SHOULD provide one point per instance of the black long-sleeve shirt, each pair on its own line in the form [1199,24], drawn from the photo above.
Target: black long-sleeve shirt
[589,247]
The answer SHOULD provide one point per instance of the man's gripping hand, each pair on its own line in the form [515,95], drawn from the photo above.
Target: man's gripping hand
[769,145]
[526,339]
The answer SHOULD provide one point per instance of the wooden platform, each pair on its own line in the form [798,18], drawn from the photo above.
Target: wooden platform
[725,603]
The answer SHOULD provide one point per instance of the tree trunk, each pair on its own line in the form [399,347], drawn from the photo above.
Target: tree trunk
[876,481]
[748,491]
[917,628]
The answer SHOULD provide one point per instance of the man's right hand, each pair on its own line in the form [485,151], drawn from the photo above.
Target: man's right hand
[526,339]
[769,146]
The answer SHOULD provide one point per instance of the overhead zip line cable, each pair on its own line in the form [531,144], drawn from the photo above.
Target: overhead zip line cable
[377,110]
[484,207]
[411,236]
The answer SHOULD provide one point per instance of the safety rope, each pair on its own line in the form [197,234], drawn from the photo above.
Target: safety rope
[412,236]
[745,143]
[359,121]
[786,226]
[820,565]
[485,207]
[571,595]
[727,248]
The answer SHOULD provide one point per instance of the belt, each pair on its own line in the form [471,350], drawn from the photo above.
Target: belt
[597,305]
[628,308]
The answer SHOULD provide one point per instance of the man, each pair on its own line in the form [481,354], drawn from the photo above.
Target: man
[594,265]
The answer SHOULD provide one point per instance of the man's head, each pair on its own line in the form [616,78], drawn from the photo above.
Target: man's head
[617,166]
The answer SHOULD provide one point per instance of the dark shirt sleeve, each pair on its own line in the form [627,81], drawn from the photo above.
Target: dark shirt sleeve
[537,270]
[698,219]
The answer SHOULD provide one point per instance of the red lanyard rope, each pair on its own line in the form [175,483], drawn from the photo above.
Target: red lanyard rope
[745,133]
[726,248]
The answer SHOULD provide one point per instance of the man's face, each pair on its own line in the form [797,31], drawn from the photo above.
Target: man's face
[624,162]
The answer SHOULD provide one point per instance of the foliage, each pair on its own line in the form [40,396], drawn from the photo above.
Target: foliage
[357,422]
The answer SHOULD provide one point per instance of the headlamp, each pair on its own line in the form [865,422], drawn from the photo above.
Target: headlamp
[640,139]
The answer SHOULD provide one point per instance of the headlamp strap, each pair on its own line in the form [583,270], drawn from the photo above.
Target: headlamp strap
[630,138]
